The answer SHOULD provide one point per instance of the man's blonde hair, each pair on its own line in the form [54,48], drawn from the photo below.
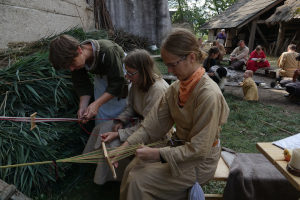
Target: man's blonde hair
[250,72]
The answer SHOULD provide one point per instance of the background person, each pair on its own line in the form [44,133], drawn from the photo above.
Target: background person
[222,50]
[257,60]
[147,87]
[221,37]
[210,60]
[287,63]
[249,87]
[195,103]
[103,58]
[239,56]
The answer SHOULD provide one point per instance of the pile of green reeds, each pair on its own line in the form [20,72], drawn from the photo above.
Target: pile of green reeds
[29,84]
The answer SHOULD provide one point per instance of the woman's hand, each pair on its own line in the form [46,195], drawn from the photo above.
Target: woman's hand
[147,153]
[118,126]
[109,137]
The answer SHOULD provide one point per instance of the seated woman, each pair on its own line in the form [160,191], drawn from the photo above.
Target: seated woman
[210,60]
[257,60]
[195,103]
[147,87]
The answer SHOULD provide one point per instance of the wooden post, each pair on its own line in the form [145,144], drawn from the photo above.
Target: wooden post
[108,160]
[252,36]
[279,38]
[262,36]
[33,124]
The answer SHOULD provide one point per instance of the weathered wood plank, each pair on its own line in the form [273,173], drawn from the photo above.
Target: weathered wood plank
[279,38]
[262,36]
[252,36]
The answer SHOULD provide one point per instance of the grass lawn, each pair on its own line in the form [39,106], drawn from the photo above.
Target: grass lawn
[244,128]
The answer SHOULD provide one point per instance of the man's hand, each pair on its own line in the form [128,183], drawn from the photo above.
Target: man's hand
[80,114]
[232,58]
[109,137]
[91,110]
[147,153]
[118,126]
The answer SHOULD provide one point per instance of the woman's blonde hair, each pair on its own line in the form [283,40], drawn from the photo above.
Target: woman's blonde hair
[182,42]
[140,60]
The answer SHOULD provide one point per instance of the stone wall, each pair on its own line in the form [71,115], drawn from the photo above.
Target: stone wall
[31,20]
[148,18]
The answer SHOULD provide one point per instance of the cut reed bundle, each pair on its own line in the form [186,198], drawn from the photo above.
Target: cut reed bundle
[94,157]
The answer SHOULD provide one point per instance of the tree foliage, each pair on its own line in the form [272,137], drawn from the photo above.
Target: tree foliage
[196,12]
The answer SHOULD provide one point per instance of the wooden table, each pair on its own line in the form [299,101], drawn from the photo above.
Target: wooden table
[275,156]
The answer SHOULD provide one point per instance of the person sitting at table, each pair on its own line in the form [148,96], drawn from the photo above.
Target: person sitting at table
[147,87]
[287,63]
[210,60]
[249,87]
[222,50]
[257,60]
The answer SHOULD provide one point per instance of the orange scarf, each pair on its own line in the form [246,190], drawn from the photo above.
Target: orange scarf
[186,87]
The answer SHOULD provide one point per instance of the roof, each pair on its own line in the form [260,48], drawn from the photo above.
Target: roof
[238,13]
[285,12]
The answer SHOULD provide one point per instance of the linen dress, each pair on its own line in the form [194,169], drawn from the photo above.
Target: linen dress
[139,103]
[198,123]
[250,90]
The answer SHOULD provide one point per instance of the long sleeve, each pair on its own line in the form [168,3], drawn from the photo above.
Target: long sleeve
[210,113]
[81,82]
[154,93]
[243,54]
[156,124]
[115,74]
[129,110]
[234,52]
[281,61]
[263,55]
[252,55]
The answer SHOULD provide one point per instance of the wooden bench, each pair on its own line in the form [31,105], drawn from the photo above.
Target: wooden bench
[221,174]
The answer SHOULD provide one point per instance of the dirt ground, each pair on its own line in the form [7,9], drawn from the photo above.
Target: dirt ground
[267,96]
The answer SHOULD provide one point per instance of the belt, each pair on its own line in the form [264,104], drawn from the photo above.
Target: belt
[215,143]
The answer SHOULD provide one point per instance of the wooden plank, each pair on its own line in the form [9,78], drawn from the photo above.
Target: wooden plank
[294,180]
[213,196]
[284,46]
[295,36]
[222,171]
[252,36]
[262,36]
[261,21]
[279,38]
[270,151]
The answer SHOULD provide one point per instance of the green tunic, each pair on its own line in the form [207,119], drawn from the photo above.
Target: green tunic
[107,61]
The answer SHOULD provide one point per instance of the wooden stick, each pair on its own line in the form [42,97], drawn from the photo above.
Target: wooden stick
[108,161]
[33,124]
[278,128]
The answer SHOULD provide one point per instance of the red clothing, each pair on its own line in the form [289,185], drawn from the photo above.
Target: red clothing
[254,65]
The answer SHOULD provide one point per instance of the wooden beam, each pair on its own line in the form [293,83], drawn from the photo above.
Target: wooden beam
[279,38]
[262,36]
[295,36]
[259,13]
[252,36]
[261,21]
